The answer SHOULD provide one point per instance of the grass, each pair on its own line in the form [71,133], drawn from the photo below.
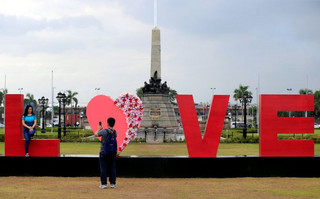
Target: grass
[169,188]
[165,149]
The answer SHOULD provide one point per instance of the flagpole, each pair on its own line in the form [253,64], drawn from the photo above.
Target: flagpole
[52,109]
[155,17]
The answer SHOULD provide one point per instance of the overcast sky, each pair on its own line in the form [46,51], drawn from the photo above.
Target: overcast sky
[205,44]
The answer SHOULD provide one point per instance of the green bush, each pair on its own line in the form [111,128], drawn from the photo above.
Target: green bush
[241,140]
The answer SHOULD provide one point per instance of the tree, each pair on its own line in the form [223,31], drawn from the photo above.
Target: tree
[71,97]
[253,112]
[172,94]
[3,92]
[29,100]
[305,91]
[139,92]
[239,92]
[316,100]
[55,109]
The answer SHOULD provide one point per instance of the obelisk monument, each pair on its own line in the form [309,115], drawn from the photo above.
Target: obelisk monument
[159,122]
[155,52]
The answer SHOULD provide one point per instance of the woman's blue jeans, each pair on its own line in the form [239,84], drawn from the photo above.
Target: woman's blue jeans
[28,135]
[108,166]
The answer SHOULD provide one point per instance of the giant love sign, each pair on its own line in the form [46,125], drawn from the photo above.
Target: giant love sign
[128,111]
[270,125]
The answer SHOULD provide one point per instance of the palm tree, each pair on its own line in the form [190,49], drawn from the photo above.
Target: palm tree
[29,100]
[238,93]
[71,97]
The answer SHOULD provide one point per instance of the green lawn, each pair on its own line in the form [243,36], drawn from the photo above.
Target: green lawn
[166,149]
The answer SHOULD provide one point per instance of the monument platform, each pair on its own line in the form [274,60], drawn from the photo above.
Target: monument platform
[164,167]
[159,119]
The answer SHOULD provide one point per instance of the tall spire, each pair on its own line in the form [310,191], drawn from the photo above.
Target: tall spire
[155,12]
[155,46]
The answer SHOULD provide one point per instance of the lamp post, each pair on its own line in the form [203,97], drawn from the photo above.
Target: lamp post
[77,115]
[229,117]
[145,133]
[64,102]
[59,97]
[44,102]
[164,133]
[289,90]
[81,116]
[246,98]
[155,132]
[235,107]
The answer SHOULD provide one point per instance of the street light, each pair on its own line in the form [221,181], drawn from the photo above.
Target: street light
[64,102]
[155,132]
[235,108]
[77,115]
[81,116]
[20,89]
[289,90]
[246,98]
[60,97]
[44,102]
[229,117]
[145,133]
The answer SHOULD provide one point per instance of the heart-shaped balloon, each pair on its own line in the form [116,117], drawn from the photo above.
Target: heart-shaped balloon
[127,111]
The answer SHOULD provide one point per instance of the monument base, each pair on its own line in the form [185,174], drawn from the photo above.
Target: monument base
[158,135]
[159,122]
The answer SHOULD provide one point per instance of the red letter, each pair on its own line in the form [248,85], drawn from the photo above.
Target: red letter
[271,125]
[207,147]
[14,142]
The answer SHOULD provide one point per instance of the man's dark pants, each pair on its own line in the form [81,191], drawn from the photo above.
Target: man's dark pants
[108,165]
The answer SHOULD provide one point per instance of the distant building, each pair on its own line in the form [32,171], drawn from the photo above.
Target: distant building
[74,116]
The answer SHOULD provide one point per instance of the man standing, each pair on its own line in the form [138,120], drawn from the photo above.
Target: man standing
[108,152]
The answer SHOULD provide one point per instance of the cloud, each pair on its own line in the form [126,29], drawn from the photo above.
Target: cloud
[205,44]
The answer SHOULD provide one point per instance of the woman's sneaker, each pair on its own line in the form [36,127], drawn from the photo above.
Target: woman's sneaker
[103,186]
[27,154]
[112,186]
